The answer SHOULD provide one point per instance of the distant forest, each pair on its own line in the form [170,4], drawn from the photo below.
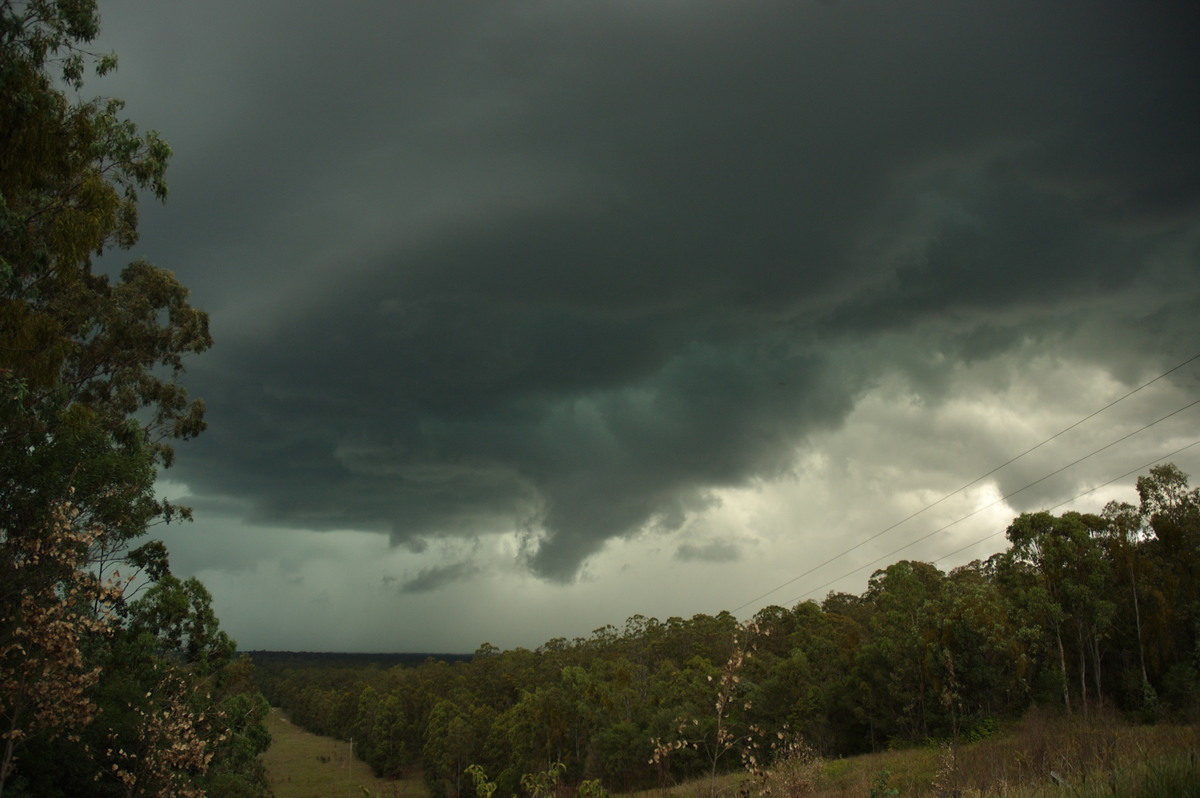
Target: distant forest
[283,660]
[1081,610]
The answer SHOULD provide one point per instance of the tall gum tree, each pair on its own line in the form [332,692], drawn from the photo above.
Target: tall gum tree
[91,396]
[1170,510]
[90,389]
[1069,588]
[1124,538]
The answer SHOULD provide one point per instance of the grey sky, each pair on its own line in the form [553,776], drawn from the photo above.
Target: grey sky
[534,315]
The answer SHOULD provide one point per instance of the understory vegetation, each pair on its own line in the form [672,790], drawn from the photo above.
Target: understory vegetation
[1086,623]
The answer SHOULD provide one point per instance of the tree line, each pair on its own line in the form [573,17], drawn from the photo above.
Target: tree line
[1080,611]
[115,677]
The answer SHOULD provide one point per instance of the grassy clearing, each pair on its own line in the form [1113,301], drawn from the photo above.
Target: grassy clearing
[303,765]
[1041,756]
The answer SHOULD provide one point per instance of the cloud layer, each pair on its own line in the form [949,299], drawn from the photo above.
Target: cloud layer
[568,271]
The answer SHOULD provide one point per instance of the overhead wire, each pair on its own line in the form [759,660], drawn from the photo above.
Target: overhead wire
[982,477]
[894,552]
[1065,502]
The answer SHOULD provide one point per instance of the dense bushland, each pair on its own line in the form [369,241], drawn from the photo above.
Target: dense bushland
[1082,612]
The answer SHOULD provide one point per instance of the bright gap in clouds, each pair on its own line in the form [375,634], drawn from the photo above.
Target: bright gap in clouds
[904,517]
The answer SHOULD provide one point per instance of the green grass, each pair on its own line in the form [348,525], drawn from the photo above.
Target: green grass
[1177,777]
[303,765]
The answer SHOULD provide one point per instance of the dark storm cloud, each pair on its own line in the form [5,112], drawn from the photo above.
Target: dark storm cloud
[712,551]
[567,268]
[436,576]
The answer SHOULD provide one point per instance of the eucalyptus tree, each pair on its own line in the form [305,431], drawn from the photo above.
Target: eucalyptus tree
[1170,510]
[1124,536]
[90,366]
[981,664]
[91,400]
[1067,587]
[896,661]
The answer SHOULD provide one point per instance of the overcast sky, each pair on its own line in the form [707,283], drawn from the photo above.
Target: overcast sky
[531,316]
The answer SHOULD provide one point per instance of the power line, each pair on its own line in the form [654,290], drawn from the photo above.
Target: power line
[1092,489]
[985,476]
[894,552]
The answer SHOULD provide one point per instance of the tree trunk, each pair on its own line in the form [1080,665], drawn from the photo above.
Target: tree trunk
[1137,619]
[1062,664]
[10,742]
[1083,700]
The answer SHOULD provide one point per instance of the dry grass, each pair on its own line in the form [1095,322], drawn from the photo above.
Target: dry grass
[1042,755]
[303,765]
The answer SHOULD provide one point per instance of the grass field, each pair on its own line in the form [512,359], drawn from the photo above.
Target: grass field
[303,765]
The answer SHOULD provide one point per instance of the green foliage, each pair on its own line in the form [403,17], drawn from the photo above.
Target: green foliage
[983,730]
[178,615]
[541,784]
[145,698]
[545,783]
[89,374]
[880,788]
[483,787]
[591,788]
